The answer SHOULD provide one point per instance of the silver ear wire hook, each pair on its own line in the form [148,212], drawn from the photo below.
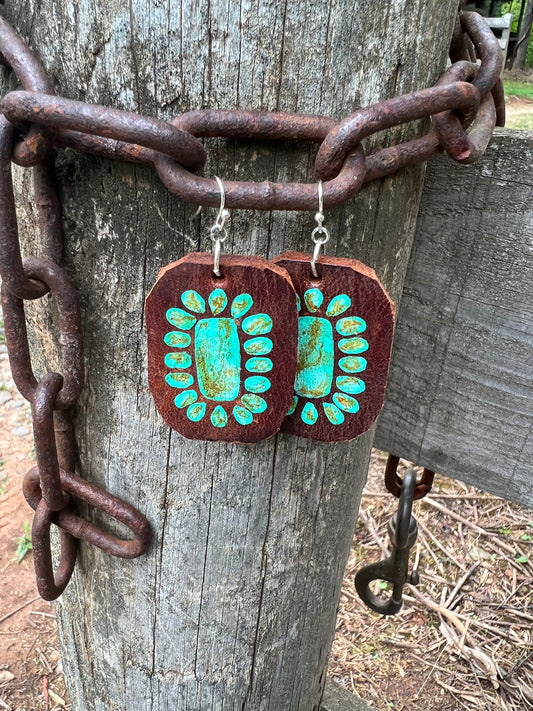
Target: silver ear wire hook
[218,232]
[320,235]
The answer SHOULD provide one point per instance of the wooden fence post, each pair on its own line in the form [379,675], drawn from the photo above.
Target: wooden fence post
[234,605]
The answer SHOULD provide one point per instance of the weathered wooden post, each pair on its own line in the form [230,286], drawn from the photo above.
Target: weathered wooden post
[234,605]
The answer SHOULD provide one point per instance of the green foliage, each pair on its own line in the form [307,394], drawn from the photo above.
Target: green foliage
[523,89]
[24,542]
[514,7]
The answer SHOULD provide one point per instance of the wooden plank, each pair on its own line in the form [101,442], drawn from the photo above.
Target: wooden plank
[337,698]
[460,392]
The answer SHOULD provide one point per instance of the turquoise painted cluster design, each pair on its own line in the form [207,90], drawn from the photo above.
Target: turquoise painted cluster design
[318,355]
[205,359]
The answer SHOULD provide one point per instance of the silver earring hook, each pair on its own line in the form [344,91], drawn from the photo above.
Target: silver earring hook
[320,235]
[218,232]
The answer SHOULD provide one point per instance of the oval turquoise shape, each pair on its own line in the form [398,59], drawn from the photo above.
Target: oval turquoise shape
[186,398]
[196,412]
[258,346]
[257,325]
[313,299]
[254,403]
[309,414]
[259,365]
[350,326]
[257,384]
[179,380]
[333,413]
[176,339]
[178,360]
[353,345]
[350,385]
[352,364]
[338,305]
[180,318]
[242,415]
[345,402]
[217,301]
[292,408]
[193,301]
[219,417]
[241,305]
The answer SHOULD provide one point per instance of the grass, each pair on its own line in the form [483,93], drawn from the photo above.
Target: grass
[522,89]
[24,544]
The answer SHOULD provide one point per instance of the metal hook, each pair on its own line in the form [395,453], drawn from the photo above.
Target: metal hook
[320,230]
[403,531]
[218,232]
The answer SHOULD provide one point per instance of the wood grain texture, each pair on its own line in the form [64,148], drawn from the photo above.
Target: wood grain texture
[230,375]
[346,329]
[460,392]
[234,606]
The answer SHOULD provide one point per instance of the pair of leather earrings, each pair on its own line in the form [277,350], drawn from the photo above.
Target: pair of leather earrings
[241,347]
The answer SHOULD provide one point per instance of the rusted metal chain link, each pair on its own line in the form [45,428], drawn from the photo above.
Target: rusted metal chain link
[464,106]
[393,481]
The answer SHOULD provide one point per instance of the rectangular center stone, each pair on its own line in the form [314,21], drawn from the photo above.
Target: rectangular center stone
[217,353]
[314,373]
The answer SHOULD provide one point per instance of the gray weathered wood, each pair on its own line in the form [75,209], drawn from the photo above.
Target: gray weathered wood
[234,606]
[336,698]
[460,392]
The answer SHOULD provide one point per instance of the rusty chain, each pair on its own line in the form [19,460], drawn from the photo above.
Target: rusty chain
[464,106]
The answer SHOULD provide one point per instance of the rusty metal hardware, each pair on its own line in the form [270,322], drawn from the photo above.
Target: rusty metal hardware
[100,499]
[393,481]
[173,147]
[464,106]
[403,531]
[49,584]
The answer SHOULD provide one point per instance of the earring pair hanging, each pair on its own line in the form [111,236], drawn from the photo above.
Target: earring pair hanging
[239,347]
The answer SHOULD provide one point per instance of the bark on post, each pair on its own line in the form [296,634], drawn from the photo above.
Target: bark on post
[234,606]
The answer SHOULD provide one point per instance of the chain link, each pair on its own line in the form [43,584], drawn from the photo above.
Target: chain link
[464,106]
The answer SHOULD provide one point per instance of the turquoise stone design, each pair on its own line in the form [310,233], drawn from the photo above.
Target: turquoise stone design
[353,345]
[314,372]
[186,398]
[241,305]
[196,412]
[319,355]
[178,360]
[338,305]
[313,299]
[257,384]
[259,365]
[217,301]
[254,403]
[333,413]
[211,352]
[346,402]
[347,384]
[218,358]
[180,318]
[351,326]
[292,408]
[176,339]
[257,325]
[179,380]
[309,414]
[193,301]
[219,417]
[352,364]
[242,415]
[258,346]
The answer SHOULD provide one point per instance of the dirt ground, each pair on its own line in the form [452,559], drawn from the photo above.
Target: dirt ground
[519,112]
